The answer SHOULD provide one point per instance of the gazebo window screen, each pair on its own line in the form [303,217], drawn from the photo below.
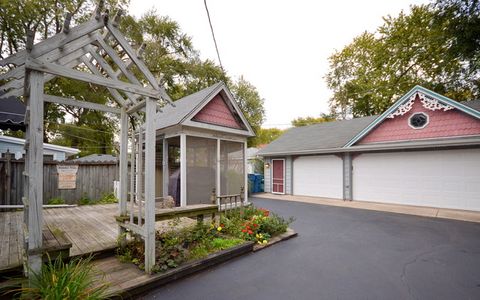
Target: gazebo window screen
[201,169]
[232,167]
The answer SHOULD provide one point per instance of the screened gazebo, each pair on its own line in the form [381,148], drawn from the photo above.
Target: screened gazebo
[201,144]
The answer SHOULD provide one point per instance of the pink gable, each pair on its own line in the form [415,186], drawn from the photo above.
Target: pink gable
[217,112]
[441,123]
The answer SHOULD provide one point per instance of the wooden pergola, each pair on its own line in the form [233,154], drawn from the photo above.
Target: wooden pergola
[93,46]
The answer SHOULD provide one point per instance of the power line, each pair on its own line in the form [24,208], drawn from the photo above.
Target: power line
[213,35]
[78,127]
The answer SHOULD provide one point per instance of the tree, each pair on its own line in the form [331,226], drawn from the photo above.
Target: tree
[266,136]
[250,103]
[369,74]
[169,54]
[298,122]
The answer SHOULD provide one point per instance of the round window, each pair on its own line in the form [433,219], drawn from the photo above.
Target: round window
[418,120]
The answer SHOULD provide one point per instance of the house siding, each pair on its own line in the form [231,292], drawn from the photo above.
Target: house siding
[217,112]
[441,123]
[267,175]
[18,150]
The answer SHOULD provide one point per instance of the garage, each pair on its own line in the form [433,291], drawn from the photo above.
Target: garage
[447,178]
[319,176]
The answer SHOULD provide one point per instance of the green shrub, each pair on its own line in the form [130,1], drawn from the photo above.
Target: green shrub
[275,224]
[58,280]
[56,201]
[222,244]
[85,200]
[107,199]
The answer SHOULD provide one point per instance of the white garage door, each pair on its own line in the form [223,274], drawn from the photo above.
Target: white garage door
[449,178]
[319,176]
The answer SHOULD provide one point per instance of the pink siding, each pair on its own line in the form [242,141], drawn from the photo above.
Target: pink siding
[441,124]
[217,112]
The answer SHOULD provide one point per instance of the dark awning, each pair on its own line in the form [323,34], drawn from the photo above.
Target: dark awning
[12,113]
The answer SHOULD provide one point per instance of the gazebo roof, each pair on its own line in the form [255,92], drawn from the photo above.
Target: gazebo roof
[187,108]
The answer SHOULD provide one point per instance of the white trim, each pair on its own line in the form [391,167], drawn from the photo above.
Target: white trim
[187,120]
[183,170]
[418,113]
[284,170]
[445,100]
[245,172]
[218,186]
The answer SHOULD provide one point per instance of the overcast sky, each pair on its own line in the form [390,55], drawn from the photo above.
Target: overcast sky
[281,47]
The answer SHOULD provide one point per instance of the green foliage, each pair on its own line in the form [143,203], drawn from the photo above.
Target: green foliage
[56,201]
[370,73]
[178,246]
[298,122]
[254,224]
[266,136]
[251,104]
[85,200]
[59,280]
[169,54]
[222,244]
[107,199]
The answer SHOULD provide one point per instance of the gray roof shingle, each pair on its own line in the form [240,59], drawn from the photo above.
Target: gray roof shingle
[171,116]
[475,104]
[319,136]
[328,135]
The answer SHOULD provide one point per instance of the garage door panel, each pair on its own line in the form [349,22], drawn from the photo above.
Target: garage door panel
[319,176]
[449,178]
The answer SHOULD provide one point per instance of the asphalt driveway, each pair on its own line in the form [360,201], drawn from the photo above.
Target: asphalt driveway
[344,253]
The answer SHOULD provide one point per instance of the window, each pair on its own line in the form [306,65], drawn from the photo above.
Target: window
[418,120]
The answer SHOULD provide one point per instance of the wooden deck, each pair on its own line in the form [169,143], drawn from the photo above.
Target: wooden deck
[90,228]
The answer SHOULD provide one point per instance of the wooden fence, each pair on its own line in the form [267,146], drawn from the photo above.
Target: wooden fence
[93,180]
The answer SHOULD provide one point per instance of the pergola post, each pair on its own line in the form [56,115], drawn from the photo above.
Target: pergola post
[245,167]
[150,185]
[34,171]
[183,170]
[165,177]
[123,163]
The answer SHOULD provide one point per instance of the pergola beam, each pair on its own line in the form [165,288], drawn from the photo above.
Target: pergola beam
[140,64]
[135,108]
[56,41]
[38,65]
[107,68]
[47,77]
[115,94]
[54,55]
[117,60]
[82,104]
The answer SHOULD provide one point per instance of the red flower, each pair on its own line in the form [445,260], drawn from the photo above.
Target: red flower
[244,230]
[250,232]
[255,225]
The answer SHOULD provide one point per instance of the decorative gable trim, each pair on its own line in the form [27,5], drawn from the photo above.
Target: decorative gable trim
[427,102]
[230,102]
[430,100]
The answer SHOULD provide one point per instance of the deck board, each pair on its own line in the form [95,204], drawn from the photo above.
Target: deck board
[90,228]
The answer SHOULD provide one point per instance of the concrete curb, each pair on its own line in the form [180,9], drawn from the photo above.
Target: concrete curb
[432,212]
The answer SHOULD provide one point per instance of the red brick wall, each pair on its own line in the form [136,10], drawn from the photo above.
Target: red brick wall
[217,112]
[441,124]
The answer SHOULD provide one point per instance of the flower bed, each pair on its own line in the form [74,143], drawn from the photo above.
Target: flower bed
[176,247]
